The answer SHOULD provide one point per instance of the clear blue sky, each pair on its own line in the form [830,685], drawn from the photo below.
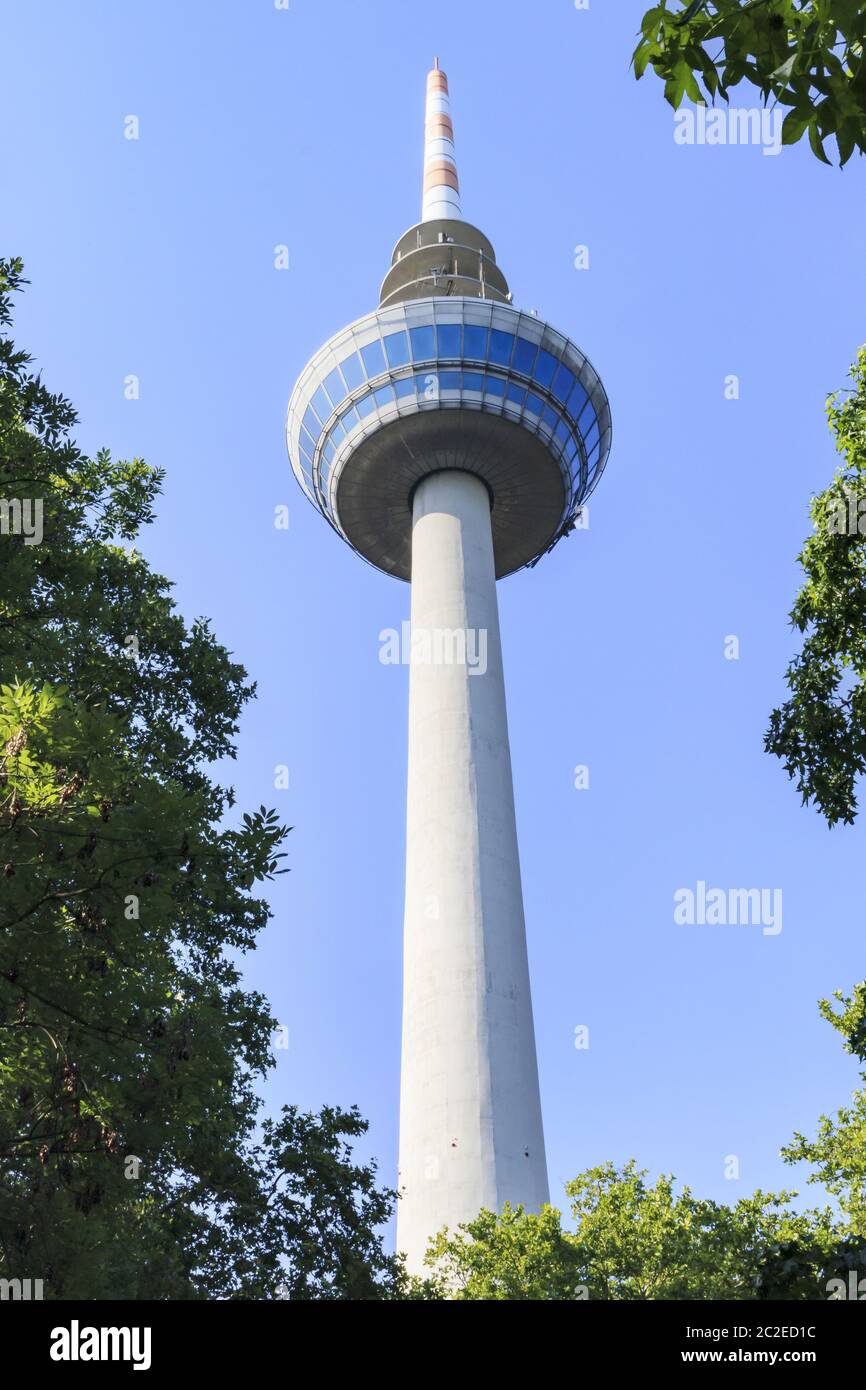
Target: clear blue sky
[260,127]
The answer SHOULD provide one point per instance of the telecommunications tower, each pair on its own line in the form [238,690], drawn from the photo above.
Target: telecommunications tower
[451,439]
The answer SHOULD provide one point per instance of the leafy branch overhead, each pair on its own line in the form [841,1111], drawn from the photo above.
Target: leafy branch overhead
[807,55]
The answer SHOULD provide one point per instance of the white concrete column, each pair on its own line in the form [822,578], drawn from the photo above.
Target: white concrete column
[470,1114]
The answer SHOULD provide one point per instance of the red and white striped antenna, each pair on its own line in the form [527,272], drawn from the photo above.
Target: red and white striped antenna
[441,189]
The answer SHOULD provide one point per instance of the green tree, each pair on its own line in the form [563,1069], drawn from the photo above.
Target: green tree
[820,732]
[636,1241]
[516,1255]
[838,1152]
[132,1160]
[807,55]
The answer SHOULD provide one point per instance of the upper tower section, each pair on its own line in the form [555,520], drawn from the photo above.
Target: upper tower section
[447,374]
[442,254]
[441,196]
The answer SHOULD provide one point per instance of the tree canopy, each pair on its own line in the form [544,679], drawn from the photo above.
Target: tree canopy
[133,1159]
[806,55]
[838,1152]
[635,1240]
[820,731]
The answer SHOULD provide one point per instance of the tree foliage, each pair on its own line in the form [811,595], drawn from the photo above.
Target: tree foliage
[820,731]
[636,1241]
[632,1240]
[132,1160]
[807,55]
[838,1152]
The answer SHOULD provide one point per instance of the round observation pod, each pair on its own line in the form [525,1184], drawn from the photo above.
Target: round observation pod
[448,382]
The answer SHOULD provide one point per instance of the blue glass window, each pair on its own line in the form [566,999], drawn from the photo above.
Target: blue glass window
[321,405]
[544,368]
[475,342]
[592,461]
[428,385]
[501,345]
[449,339]
[307,443]
[405,387]
[305,459]
[328,452]
[335,387]
[562,431]
[525,354]
[586,417]
[423,346]
[352,370]
[450,381]
[570,449]
[591,439]
[384,395]
[473,381]
[365,406]
[350,417]
[311,424]
[562,383]
[516,394]
[550,417]
[577,400]
[337,432]
[533,403]
[494,385]
[374,358]
[397,348]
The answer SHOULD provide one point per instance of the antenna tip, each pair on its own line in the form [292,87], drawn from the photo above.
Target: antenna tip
[436,64]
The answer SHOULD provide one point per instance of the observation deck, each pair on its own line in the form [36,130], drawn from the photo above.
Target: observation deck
[447,374]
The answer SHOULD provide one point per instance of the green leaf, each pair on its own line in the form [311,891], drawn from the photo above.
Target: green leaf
[815,141]
[794,124]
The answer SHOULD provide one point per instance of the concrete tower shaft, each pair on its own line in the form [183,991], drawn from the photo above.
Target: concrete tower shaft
[470,1113]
